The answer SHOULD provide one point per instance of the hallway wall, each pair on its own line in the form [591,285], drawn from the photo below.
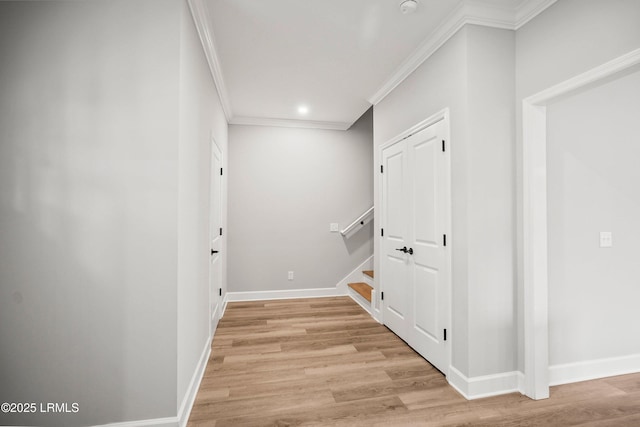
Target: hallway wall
[567,39]
[285,186]
[201,119]
[104,186]
[593,183]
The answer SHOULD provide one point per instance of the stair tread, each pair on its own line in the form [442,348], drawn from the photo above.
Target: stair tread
[363,289]
[369,273]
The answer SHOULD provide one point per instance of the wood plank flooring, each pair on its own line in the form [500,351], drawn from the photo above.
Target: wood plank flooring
[326,362]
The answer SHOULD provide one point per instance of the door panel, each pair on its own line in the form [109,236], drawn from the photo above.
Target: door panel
[424,191]
[396,226]
[395,273]
[426,295]
[428,210]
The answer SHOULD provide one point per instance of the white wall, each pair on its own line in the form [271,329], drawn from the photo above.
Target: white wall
[490,201]
[568,38]
[593,182]
[285,186]
[102,184]
[201,117]
[472,75]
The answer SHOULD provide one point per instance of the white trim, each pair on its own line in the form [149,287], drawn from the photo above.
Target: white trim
[355,275]
[194,386]
[375,306]
[592,369]
[432,119]
[529,10]
[474,12]
[284,294]
[484,386]
[289,123]
[152,422]
[534,129]
[468,12]
[200,15]
[362,302]
[521,382]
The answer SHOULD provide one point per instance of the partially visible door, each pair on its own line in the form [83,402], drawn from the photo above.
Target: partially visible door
[415,275]
[428,213]
[215,235]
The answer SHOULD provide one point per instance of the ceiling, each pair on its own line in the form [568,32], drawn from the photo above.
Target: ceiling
[335,57]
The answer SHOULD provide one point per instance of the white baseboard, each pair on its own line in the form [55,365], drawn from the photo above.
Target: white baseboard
[283,294]
[154,422]
[194,386]
[339,290]
[486,385]
[593,369]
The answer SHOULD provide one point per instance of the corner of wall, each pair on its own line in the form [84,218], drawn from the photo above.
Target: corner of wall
[486,385]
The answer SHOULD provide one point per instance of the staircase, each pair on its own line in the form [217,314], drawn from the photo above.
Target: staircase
[361,291]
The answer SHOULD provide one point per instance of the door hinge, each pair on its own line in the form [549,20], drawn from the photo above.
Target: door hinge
[381,296]
[382,232]
[221,231]
[381,169]
[444,240]
[220,171]
[220,291]
[443,147]
[445,334]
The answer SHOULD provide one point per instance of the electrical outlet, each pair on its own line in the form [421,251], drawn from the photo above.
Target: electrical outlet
[334,227]
[290,275]
[606,239]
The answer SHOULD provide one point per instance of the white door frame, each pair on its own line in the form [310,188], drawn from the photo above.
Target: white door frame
[534,128]
[442,115]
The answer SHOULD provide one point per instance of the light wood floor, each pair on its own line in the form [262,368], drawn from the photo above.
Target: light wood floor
[325,362]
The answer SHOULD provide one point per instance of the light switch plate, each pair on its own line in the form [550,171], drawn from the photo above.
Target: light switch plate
[334,227]
[290,275]
[606,239]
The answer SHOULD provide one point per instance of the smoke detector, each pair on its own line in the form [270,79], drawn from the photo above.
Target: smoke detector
[407,7]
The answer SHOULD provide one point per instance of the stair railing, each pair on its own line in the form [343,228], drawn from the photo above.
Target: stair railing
[358,223]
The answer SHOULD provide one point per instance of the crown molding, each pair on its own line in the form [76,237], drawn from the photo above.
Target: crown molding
[474,12]
[289,123]
[200,15]
[529,9]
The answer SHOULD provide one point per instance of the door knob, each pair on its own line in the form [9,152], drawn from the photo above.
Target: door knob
[405,250]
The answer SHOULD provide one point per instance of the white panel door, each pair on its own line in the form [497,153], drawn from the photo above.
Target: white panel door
[395,274]
[215,236]
[428,213]
[415,205]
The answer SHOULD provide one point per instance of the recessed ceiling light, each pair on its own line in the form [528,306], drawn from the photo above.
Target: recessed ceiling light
[303,109]
[407,7]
